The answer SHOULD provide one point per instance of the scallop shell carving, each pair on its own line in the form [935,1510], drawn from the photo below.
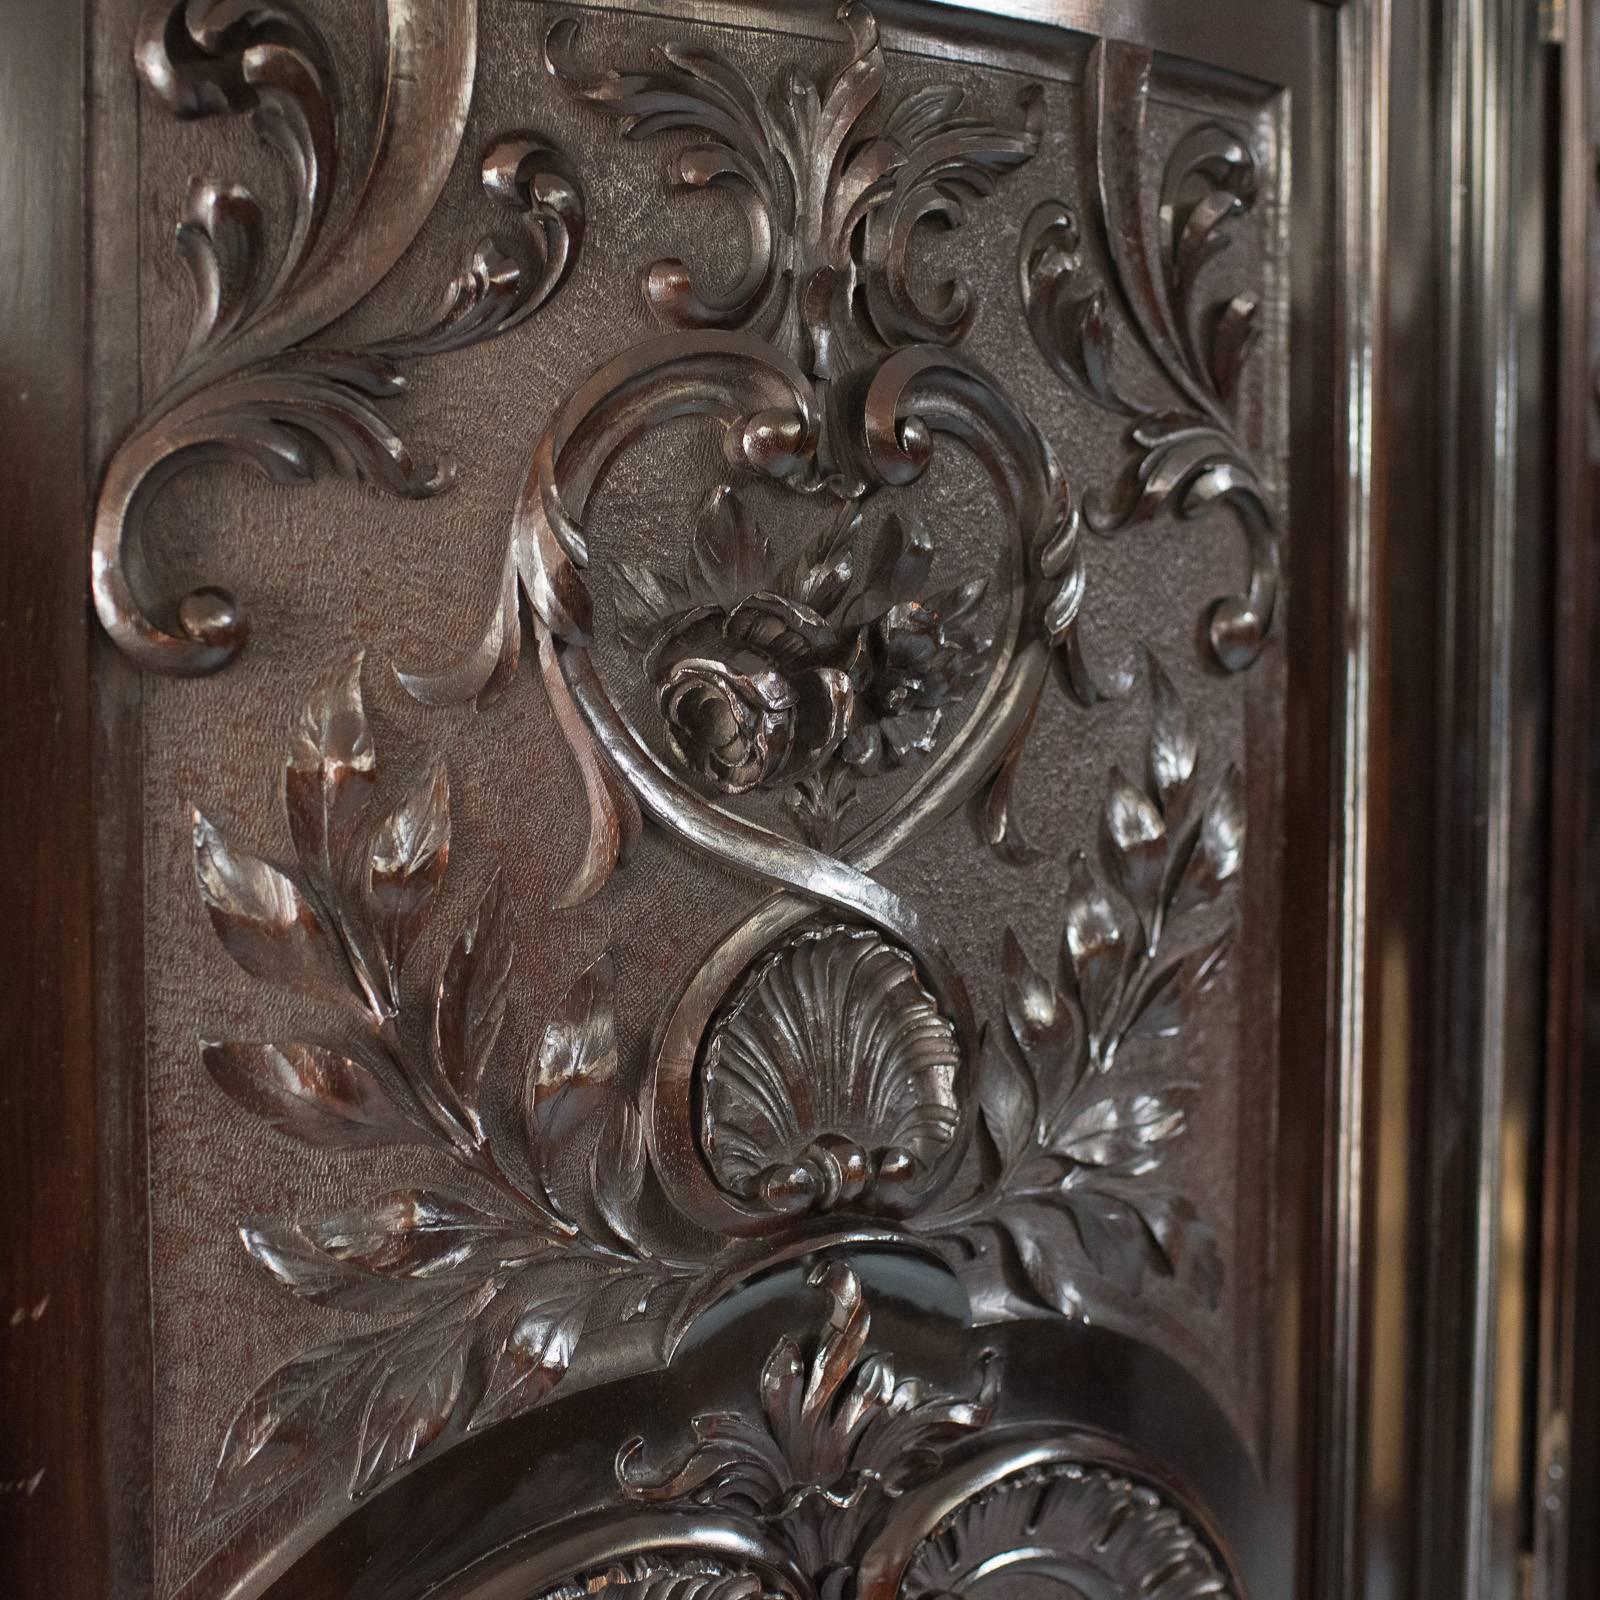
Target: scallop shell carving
[830,1079]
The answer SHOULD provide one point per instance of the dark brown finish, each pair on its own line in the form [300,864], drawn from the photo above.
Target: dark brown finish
[52,1394]
[1013,957]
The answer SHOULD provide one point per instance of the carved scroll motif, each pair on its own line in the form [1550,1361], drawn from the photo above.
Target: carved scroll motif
[823,1078]
[250,388]
[1190,455]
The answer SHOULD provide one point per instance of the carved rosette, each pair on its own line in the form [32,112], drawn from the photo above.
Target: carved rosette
[830,1081]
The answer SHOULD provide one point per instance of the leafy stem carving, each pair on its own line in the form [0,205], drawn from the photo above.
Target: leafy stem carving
[830,213]
[249,389]
[1189,452]
[436,1260]
[841,1435]
[1061,1142]
[855,1479]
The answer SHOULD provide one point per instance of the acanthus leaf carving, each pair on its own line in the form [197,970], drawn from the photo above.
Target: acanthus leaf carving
[1189,451]
[830,210]
[854,1479]
[841,1435]
[250,390]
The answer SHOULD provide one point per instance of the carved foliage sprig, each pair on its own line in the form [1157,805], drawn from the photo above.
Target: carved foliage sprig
[1061,1140]
[840,1435]
[830,210]
[1189,453]
[509,277]
[552,1243]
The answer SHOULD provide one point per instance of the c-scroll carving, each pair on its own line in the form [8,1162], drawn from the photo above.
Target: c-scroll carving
[1191,457]
[248,388]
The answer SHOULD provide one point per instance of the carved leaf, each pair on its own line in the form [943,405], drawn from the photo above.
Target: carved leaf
[1094,946]
[1232,340]
[220,238]
[998,822]
[332,768]
[1137,836]
[730,555]
[1112,1234]
[1121,1134]
[1047,1260]
[309,1093]
[409,855]
[263,921]
[470,1003]
[1041,1019]
[414,1399]
[820,575]
[1172,741]
[285,1423]
[311,409]
[1186,1244]
[818,805]
[577,1060]
[617,1171]
[498,291]
[1008,1103]
[1164,1004]
[423,1233]
[535,1356]
[292,1257]
[646,601]
[1219,850]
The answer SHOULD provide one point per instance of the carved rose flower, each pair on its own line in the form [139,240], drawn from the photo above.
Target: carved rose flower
[764,674]
[739,721]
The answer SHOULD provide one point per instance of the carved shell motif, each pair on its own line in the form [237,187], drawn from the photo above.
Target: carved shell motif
[830,1079]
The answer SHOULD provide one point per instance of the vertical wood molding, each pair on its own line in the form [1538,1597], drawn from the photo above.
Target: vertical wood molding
[1494,675]
[1564,1549]
[52,1526]
[1363,131]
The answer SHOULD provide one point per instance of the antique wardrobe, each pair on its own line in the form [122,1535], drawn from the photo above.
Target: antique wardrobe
[796,799]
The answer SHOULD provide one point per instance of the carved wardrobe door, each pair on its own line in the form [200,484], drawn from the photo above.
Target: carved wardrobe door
[730,733]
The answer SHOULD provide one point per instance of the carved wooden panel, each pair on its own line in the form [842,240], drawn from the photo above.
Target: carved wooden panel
[712,588]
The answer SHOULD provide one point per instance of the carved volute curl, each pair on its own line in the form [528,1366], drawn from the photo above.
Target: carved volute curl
[1189,452]
[248,389]
[830,208]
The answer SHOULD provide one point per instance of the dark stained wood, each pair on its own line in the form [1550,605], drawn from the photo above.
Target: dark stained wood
[1417,765]
[53,1528]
